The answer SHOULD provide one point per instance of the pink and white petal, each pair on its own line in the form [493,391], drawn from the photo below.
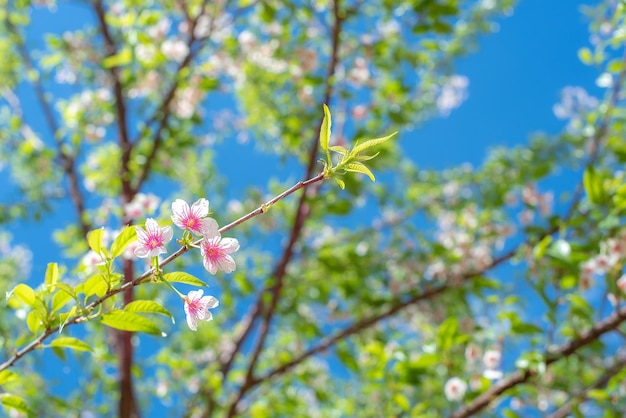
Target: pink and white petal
[200,208]
[156,251]
[209,228]
[226,264]
[168,233]
[211,302]
[141,252]
[230,245]
[195,294]
[180,207]
[209,316]
[209,266]
[191,322]
[142,236]
[152,226]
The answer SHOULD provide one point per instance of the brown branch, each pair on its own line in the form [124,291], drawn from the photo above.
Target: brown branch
[127,407]
[163,110]
[67,160]
[521,376]
[120,102]
[618,365]
[302,213]
[366,323]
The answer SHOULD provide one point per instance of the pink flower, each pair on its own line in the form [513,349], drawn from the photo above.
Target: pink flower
[194,218]
[215,253]
[197,307]
[152,240]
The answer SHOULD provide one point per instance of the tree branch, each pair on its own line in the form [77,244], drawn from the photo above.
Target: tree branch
[563,351]
[127,404]
[618,365]
[278,275]
[67,160]
[162,114]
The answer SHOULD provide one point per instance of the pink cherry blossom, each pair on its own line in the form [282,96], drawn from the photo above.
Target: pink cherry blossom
[152,240]
[215,253]
[194,218]
[197,307]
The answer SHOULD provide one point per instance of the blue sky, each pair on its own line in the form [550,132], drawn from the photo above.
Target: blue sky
[515,78]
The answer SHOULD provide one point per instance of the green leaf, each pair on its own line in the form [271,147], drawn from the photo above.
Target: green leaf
[599,394]
[25,293]
[147,306]
[52,275]
[540,249]
[121,58]
[95,285]
[401,401]
[340,183]
[594,187]
[130,321]
[370,143]
[525,328]
[70,342]
[585,56]
[33,321]
[94,239]
[365,157]
[127,236]
[17,403]
[339,149]
[64,293]
[358,167]
[7,376]
[325,129]
[182,277]
[446,333]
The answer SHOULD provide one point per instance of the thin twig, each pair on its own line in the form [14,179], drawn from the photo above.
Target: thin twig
[163,113]
[67,160]
[618,365]
[599,329]
[85,316]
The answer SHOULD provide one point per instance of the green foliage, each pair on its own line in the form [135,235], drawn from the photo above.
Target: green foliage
[362,300]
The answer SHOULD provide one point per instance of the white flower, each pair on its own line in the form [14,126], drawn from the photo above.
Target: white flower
[455,389]
[492,359]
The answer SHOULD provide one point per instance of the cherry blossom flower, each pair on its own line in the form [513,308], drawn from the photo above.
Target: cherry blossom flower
[194,218]
[152,240]
[140,205]
[492,359]
[215,253]
[197,308]
[455,389]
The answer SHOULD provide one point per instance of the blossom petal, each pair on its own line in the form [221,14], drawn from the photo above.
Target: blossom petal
[226,264]
[210,228]
[212,302]
[200,208]
[168,233]
[191,322]
[141,252]
[209,265]
[230,245]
